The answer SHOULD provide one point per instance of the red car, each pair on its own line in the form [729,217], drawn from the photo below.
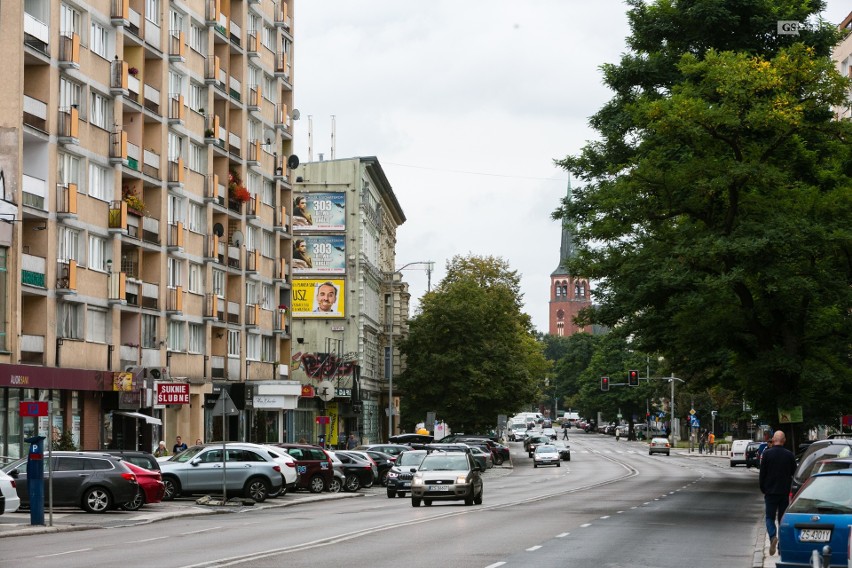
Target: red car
[151,488]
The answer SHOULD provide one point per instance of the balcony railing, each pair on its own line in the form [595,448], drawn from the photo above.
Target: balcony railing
[117,283]
[282,271]
[236,34]
[120,12]
[118,74]
[34,192]
[68,130]
[176,170]
[214,191]
[176,233]
[252,44]
[66,277]
[233,312]
[32,349]
[66,199]
[252,315]
[151,163]
[281,15]
[282,65]
[252,260]
[214,307]
[235,88]
[150,295]
[177,45]
[152,98]
[176,108]
[69,50]
[33,270]
[133,154]
[36,33]
[35,113]
[235,144]
[174,299]
[211,11]
[118,147]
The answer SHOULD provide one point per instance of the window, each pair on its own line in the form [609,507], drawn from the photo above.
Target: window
[70,93]
[195,220]
[198,39]
[68,320]
[149,331]
[100,183]
[101,114]
[196,338]
[197,158]
[251,238]
[99,40]
[267,349]
[98,253]
[267,192]
[252,346]
[176,340]
[175,212]
[197,97]
[175,21]
[233,343]
[266,297]
[270,88]
[175,272]
[196,278]
[219,283]
[251,292]
[175,147]
[152,11]
[267,244]
[69,169]
[268,38]
[70,20]
[96,325]
[69,244]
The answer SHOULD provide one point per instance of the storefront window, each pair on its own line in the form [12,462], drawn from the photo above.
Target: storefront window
[266,426]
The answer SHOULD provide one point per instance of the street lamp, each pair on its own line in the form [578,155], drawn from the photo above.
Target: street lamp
[392,282]
[672,380]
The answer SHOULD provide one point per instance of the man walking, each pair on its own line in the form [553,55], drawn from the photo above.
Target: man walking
[776,477]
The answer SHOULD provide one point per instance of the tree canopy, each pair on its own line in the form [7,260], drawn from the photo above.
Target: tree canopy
[471,353]
[717,207]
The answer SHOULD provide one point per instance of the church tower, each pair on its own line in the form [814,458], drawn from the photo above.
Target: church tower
[568,293]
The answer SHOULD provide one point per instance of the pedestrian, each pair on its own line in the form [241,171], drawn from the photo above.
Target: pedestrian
[352,442]
[711,441]
[198,442]
[701,442]
[161,450]
[776,476]
[179,446]
[565,431]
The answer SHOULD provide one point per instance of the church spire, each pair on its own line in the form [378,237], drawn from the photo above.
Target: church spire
[566,249]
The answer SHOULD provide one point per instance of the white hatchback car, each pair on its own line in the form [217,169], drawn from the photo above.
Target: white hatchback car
[546,455]
[10,494]
[288,468]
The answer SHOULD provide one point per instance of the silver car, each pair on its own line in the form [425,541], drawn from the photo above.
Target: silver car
[250,470]
[546,455]
[447,476]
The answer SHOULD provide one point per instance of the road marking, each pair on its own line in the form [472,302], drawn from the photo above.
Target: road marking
[584,525]
[495,565]
[605,517]
[147,539]
[533,548]
[63,553]
[202,531]
[619,512]
[562,535]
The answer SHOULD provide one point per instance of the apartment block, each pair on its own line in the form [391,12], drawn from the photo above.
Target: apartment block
[145,231]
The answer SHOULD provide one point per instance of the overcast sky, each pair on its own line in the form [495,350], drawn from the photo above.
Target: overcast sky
[466,104]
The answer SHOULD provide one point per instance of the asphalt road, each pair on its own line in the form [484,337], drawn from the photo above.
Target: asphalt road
[612,505]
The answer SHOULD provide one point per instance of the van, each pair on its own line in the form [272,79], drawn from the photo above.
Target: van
[738,452]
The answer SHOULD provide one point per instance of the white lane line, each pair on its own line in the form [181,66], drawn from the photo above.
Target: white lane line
[562,535]
[495,565]
[147,539]
[202,531]
[646,503]
[605,517]
[64,553]
[618,512]
[584,525]
[533,548]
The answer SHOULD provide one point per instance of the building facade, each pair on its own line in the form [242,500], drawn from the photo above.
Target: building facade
[842,56]
[145,235]
[569,293]
[347,300]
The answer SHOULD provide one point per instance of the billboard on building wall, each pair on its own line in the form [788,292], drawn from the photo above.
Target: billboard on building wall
[319,211]
[319,254]
[319,299]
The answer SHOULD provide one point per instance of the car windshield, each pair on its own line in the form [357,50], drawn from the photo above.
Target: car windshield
[807,464]
[410,458]
[545,449]
[832,466]
[187,455]
[444,463]
[831,494]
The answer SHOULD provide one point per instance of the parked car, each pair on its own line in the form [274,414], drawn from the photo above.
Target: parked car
[392,449]
[447,476]
[659,446]
[753,454]
[563,448]
[151,488]
[482,457]
[248,469]
[819,450]
[360,471]
[819,515]
[499,452]
[136,457]
[384,462]
[546,454]
[402,472]
[313,465]
[738,452]
[408,439]
[94,481]
[288,470]
[11,501]
[338,480]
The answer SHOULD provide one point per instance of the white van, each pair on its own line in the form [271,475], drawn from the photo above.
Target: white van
[738,452]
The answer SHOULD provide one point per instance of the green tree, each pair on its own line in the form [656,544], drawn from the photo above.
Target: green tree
[576,358]
[471,353]
[717,211]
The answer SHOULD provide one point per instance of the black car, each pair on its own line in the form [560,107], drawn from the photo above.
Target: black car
[94,481]
[359,472]
[384,462]
[753,454]
[137,458]
[499,452]
[402,472]
[531,443]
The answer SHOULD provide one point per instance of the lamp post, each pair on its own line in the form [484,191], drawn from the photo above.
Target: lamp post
[393,274]
[672,380]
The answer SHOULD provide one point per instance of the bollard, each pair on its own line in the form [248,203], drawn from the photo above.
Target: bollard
[826,555]
[816,561]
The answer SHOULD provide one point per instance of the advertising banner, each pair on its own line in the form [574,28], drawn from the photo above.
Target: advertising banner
[172,393]
[319,254]
[318,299]
[319,211]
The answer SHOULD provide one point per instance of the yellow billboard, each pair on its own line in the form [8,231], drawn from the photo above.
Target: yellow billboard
[318,299]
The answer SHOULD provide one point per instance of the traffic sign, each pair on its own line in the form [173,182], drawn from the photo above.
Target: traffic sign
[33,408]
[692,412]
[224,405]
[323,419]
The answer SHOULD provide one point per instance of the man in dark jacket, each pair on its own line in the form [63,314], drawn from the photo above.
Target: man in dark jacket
[776,476]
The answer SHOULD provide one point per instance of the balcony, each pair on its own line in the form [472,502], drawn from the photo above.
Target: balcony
[253,260]
[174,300]
[66,277]
[282,221]
[133,154]
[252,315]
[132,293]
[134,21]
[120,13]
[118,147]
[281,323]
[217,367]
[151,163]
[252,44]
[33,271]
[35,113]
[251,207]
[118,75]
[235,144]
[234,256]
[152,98]
[281,16]
[177,109]
[176,173]
[214,250]
[150,295]
[253,157]
[34,192]
[177,46]
[69,50]
[36,33]
[68,130]
[176,234]
[282,271]
[66,200]
[212,8]
[214,191]
[235,88]
[236,34]
[233,313]
[117,217]
[255,98]
[151,230]
[214,308]
[32,349]
[282,65]
[117,284]
[282,119]
[211,70]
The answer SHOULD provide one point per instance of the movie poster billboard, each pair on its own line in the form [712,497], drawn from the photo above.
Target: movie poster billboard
[319,211]
[318,299]
[319,254]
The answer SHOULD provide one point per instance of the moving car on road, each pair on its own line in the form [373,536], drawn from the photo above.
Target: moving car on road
[402,472]
[447,476]
[546,455]
[659,446]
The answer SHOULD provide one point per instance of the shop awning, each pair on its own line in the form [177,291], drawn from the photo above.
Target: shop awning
[140,416]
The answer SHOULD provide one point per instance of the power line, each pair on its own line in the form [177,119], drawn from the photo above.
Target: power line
[561,180]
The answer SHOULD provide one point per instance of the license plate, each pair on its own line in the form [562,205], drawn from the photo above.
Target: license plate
[439,488]
[815,535]
[406,484]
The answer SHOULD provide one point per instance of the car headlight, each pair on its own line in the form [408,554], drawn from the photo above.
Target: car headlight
[392,474]
[418,481]
[461,480]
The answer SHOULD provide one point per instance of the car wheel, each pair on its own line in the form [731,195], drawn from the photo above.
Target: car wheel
[415,501]
[137,502]
[529,454]
[468,500]
[257,488]
[352,483]
[317,484]
[97,500]
[335,486]
[568,458]
[535,465]
[558,464]
[478,499]
[401,494]
[383,478]
[427,502]
[498,460]
[171,488]
[391,494]
[668,454]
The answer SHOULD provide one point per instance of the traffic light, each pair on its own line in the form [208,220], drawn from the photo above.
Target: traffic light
[633,378]
[604,383]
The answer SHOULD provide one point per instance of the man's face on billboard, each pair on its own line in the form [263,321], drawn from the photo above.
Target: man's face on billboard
[326,296]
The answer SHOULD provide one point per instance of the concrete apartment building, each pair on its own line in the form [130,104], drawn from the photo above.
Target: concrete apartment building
[842,55]
[349,302]
[145,237]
